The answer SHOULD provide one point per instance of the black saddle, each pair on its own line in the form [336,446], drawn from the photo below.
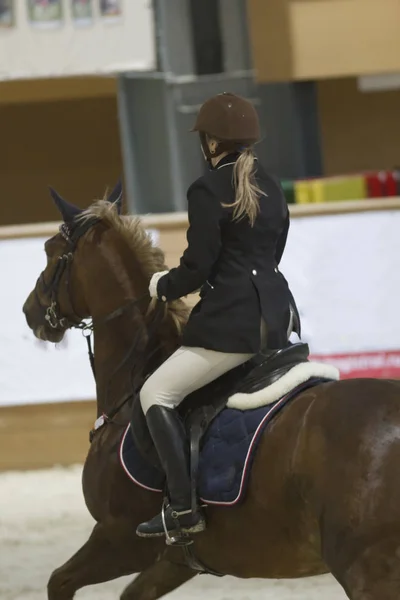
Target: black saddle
[201,407]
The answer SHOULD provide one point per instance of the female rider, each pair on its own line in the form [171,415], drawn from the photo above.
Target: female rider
[238,225]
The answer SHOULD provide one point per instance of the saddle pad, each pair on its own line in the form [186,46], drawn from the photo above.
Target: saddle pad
[226,457]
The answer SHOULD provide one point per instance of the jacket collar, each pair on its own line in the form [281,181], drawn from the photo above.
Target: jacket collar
[229,159]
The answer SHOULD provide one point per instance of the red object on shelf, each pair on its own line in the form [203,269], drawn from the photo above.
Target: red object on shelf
[375,185]
[382,184]
[389,183]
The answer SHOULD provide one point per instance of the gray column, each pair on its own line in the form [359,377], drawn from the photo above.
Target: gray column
[289,116]
[235,36]
[174,37]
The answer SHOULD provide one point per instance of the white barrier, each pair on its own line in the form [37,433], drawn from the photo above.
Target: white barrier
[344,271]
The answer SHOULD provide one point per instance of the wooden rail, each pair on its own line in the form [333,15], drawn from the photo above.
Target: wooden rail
[178,220]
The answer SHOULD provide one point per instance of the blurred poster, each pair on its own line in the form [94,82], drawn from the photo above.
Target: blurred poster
[6,14]
[45,14]
[111,10]
[100,48]
[82,12]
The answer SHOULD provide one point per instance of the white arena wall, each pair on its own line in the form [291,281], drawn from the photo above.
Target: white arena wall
[342,261]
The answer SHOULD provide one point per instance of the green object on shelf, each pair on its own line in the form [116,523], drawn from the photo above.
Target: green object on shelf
[288,190]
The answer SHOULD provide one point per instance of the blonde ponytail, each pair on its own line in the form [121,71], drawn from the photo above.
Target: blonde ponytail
[248,193]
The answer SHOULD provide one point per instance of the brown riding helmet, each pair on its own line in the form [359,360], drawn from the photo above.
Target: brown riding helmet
[229,118]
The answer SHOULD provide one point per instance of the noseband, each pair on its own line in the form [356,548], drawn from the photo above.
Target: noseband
[52,316]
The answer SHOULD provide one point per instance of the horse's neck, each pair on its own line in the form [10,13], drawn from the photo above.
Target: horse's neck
[125,351]
[123,344]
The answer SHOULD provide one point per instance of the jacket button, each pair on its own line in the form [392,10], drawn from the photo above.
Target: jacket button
[254,272]
[276,270]
[163,298]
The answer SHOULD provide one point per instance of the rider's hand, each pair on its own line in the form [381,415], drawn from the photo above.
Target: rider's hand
[153,286]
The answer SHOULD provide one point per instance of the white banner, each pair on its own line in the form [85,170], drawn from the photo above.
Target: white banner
[343,270]
[54,38]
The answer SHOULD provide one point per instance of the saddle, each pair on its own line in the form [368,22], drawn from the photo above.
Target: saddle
[200,408]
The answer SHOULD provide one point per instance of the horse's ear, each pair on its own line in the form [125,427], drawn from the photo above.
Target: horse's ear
[116,197]
[68,211]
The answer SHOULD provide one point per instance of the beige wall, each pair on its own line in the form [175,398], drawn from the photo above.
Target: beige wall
[317,39]
[360,131]
[71,143]
[337,38]
[270,34]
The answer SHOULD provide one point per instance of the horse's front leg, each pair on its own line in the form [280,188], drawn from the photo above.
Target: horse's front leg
[112,551]
[156,581]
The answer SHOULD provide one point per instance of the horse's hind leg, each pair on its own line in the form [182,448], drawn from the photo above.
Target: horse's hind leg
[156,581]
[375,574]
[110,552]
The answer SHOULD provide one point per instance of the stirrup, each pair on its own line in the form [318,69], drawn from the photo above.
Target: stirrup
[182,539]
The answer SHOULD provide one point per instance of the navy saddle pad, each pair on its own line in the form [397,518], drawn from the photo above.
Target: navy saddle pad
[227,453]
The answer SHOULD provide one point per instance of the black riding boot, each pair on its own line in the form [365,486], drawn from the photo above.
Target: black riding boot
[169,438]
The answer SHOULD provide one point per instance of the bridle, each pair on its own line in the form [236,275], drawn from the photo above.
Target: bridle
[63,267]
[57,321]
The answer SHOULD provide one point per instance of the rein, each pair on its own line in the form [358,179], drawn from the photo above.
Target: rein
[104,419]
[87,328]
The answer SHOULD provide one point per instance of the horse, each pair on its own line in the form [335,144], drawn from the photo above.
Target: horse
[323,495]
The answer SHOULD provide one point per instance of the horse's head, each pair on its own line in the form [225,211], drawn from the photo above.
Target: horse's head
[58,300]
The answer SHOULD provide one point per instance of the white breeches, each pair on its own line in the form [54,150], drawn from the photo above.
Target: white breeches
[187,370]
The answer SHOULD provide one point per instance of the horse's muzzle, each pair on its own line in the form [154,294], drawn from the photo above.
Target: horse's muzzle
[35,316]
[30,312]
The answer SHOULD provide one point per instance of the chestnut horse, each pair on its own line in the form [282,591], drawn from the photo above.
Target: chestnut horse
[324,492]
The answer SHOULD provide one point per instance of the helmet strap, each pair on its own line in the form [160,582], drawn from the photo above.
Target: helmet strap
[205,147]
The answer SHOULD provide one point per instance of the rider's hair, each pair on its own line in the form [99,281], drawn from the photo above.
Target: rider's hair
[248,193]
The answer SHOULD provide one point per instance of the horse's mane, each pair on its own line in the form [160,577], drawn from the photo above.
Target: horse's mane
[150,257]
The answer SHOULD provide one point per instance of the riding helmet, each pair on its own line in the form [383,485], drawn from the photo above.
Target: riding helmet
[229,118]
